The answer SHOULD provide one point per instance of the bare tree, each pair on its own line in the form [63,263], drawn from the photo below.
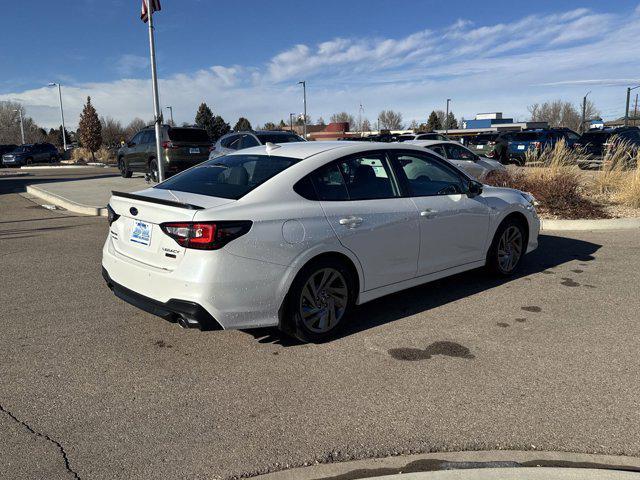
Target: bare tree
[112,132]
[10,125]
[343,117]
[366,125]
[134,127]
[413,125]
[559,113]
[390,120]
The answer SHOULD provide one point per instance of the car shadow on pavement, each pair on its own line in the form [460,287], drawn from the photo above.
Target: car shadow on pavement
[18,183]
[552,251]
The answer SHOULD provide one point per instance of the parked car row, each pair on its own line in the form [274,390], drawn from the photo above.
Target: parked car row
[512,147]
[17,156]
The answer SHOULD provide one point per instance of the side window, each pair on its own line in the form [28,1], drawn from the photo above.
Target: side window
[426,176]
[248,141]
[234,142]
[368,177]
[439,149]
[456,152]
[329,183]
[572,136]
[137,138]
[149,137]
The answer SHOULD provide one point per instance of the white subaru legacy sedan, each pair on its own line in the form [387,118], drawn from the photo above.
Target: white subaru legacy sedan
[295,235]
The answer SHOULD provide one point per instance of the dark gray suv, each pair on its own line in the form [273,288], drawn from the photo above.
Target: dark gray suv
[182,147]
[31,153]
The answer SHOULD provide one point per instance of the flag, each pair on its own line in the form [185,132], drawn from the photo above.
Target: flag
[155,6]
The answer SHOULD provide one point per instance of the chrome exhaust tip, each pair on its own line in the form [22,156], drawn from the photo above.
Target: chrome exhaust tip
[188,323]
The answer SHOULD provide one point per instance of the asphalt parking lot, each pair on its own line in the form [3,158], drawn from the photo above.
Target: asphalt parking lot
[93,388]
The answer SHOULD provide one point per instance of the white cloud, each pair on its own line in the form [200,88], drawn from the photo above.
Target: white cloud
[502,66]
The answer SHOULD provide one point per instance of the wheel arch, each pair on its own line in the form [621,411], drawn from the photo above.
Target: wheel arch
[513,215]
[344,256]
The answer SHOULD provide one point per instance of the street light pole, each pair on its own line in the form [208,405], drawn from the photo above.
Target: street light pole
[446,118]
[291,121]
[171,113]
[304,96]
[64,135]
[154,88]
[626,111]
[584,111]
[21,125]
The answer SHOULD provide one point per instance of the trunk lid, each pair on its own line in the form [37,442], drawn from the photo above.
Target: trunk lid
[136,234]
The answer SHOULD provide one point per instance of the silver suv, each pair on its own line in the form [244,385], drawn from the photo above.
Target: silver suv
[240,140]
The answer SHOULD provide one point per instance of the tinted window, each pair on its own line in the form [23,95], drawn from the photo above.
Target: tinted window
[232,141]
[195,135]
[439,149]
[137,138]
[426,176]
[329,183]
[24,149]
[525,136]
[248,141]
[457,152]
[572,136]
[232,176]
[404,138]
[367,177]
[595,138]
[148,136]
[278,138]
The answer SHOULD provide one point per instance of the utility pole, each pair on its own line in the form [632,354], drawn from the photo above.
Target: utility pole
[584,112]
[170,108]
[304,96]
[446,118]
[291,121]
[360,110]
[626,110]
[635,111]
[21,125]
[154,85]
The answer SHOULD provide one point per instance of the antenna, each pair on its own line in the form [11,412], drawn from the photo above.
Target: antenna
[271,146]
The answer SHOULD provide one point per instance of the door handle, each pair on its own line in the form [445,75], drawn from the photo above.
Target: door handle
[428,213]
[350,222]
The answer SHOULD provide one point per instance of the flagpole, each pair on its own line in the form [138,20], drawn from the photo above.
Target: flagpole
[154,83]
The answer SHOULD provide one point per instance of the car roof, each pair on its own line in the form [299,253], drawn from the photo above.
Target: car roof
[424,143]
[302,150]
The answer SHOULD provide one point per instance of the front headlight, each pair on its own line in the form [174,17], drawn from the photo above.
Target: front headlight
[530,199]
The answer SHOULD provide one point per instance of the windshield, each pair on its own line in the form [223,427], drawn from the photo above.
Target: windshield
[278,138]
[231,177]
[22,149]
[196,135]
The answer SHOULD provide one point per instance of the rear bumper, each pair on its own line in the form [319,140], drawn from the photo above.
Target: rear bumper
[171,310]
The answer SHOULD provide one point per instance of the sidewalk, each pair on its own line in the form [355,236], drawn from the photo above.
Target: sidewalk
[86,196]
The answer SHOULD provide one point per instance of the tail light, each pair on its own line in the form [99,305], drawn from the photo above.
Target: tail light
[205,235]
[112,216]
[168,144]
[537,145]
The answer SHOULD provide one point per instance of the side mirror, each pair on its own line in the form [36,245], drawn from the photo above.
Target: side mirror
[130,144]
[474,189]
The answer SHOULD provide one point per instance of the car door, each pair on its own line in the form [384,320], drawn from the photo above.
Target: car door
[464,159]
[453,226]
[132,151]
[361,200]
[147,141]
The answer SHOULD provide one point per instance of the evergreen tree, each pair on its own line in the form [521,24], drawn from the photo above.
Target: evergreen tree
[451,121]
[242,125]
[219,128]
[282,125]
[433,123]
[90,129]
[204,119]
[270,126]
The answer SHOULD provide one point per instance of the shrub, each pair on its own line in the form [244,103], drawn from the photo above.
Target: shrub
[557,189]
[83,155]
[629,188]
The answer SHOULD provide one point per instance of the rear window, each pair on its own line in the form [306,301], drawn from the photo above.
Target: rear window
[405,138]
[525,136]
[231,177]
[278,138]
[188,135]
[482,139]
[597,138]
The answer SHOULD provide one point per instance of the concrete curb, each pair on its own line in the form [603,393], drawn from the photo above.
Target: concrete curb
[394,466]
[584,225]
[70,205]
[45,167]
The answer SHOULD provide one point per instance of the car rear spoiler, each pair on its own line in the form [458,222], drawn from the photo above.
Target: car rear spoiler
[160,201]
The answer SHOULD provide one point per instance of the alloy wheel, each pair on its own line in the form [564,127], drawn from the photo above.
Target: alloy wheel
[509,249]
[323,300]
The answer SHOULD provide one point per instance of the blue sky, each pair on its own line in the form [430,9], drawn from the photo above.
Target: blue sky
[246,58]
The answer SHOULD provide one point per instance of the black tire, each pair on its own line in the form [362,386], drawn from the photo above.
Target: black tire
[292,322]
[496,260]
[152,170]
[28,161]
[124,170]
